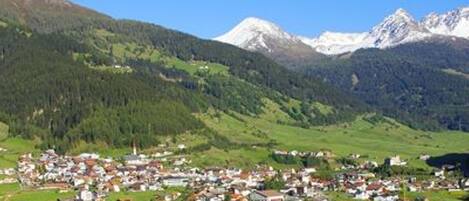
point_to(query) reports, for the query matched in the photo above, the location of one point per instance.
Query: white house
(395, 161)
(424, 157)
(85, 195)
(175, 181)
(439, 173)
(181, 146)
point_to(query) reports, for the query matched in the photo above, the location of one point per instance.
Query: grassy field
(193, 67)
(15, 147)
(3, 131)
(123, 51)
(40, 196)
(376, 141)
(12, 192)
(133, 196)
(430, 195)
(6, 189)
(436, 195)
(338, 196)
(148, 195)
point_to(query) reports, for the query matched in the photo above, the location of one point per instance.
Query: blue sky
(210, 18)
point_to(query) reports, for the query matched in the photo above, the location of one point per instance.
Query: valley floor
(259, 137)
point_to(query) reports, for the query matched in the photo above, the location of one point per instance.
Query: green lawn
(133, 196)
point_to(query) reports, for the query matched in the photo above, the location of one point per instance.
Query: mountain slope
(409, 82)
(47, 16)
(100, 101)
(410, 70)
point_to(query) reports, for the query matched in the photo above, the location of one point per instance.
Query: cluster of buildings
(294, 153)
(93, 178)
(362, 184)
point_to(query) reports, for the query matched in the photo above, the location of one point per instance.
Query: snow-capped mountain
(266, 37)
(453, 23)
(396, 29)
(334, 43)
(257, 34)
(399, 28)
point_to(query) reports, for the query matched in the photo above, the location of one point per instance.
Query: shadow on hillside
(451, 159)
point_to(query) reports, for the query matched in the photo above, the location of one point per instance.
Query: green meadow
(125, 51)
(13, 192)
(374, 141)
(148, 195)
(14, 147)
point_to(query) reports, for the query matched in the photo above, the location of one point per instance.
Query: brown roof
(90, 162)
(269, 193)
(56, 185)
(373, 186)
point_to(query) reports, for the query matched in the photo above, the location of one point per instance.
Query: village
(94, 178)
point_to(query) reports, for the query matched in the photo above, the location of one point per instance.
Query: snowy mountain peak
(397, 28)
(253, 33)
(401, 19)
(452, 23)
(403, 14)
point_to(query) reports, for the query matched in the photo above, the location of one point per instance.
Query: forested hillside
(422, 84)
(46, 93)
(73, 75)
